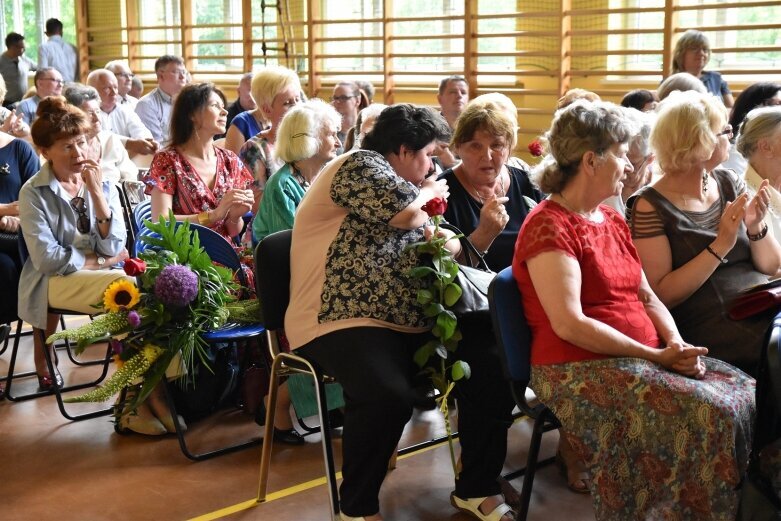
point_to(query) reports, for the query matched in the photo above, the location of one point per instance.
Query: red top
(610, 270)
(172, 174)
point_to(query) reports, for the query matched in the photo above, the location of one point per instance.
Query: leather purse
(474, 281)
(756, 300)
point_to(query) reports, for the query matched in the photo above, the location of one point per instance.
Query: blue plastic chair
(220, 251)
(142, 212)
(514, 337)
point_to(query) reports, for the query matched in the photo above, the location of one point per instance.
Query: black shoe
(5, 329)
(289, 436)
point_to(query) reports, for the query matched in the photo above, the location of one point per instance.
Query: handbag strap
(467, 245)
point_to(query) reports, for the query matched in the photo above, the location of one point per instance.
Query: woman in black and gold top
(352, 307)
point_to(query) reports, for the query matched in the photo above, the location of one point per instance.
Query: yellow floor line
(279, 494)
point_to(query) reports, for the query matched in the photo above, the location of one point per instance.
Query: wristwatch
(101, 260)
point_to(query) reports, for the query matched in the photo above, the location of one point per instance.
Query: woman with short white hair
(760, 142)
(306, 141)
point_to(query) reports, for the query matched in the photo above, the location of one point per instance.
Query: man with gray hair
(244, 102)
(154, 109)
(48, 82)
(124, 82)
(120, 119)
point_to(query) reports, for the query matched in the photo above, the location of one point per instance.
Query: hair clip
(300, 134)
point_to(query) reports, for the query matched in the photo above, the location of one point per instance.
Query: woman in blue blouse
(692, 53)
(72, 225)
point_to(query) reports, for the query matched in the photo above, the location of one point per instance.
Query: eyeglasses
(125, 75)
(341, 99)
(58, 82)
(726, 132)
(80, 207)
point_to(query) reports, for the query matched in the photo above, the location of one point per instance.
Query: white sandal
(345, 517)
(472, 506)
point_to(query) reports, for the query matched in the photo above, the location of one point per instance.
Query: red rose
(535, 148)
(436, 206)
(134, 267)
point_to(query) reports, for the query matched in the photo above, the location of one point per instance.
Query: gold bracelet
(203, 218)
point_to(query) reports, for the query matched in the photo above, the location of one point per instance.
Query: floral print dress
(173, 174)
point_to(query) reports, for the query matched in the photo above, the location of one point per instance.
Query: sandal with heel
(578, 480)
(472, 506)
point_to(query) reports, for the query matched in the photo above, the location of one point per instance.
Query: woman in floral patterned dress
(203, 184)
(664, 430)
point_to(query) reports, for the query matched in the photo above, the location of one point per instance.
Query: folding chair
(514, 337)
(272, 262)
(55, 389)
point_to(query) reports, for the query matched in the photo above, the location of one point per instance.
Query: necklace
(300, 178)
(705, 183)
(477, 192)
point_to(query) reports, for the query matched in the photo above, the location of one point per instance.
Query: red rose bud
(436, 206)
(134, 267)
(535, 148)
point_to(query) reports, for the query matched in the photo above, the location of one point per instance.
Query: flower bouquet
(158, 321)
(436, 301)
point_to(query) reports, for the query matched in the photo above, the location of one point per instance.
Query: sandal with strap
(472, 506)
(578, 480)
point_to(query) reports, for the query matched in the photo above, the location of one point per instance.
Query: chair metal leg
(17, 336)
(325, 430)
(179, 429)
(268, 429)
(531, 463)
(66, 345)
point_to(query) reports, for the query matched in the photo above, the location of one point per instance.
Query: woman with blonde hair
(700, 236)
(276, 90)
(692, 54)
(760, 143)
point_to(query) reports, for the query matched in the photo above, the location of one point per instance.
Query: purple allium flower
(176, 285)
(117, 347)
(133, 319)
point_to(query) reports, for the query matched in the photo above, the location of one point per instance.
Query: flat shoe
(45, 382)
(142, 421)
(289, 436)
(577, 481)
(345, 517)
(472, 506)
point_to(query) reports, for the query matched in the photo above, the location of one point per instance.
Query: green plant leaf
(421, 271)
(452, 294)
(433, 309)
(446, 321)
(425, 296)
(459, 370)
(441, 351)
(424, 352)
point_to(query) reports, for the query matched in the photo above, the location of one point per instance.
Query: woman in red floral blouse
(202, 183)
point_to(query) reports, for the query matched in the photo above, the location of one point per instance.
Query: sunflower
(121, 295)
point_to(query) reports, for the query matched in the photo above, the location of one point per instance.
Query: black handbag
(473, 281)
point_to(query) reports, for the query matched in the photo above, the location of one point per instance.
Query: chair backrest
(142, 212)
(272, 277)
(510, 326)
(217, 247)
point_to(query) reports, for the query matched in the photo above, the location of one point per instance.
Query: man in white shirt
(48, 82)
(58, 53)
(120, 119)
(154, 109)
(124, 82)
(15, 67)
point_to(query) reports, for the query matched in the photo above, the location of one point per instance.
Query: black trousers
(485, 406)
(374, 365)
